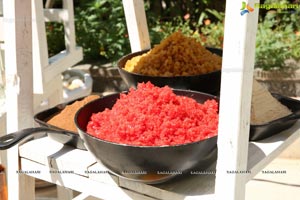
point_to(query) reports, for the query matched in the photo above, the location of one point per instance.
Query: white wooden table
(235, 153)
(77, 169)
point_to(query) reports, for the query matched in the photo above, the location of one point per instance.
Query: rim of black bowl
(136, 146)
(146, 50)
(276, 121)
(281, 119)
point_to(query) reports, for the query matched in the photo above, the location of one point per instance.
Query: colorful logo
(246, 8)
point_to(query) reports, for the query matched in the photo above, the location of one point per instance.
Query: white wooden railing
(234, 151)
(31, 76)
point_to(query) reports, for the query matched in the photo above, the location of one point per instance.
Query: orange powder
(65, 119)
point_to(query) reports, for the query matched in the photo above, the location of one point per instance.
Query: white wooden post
(69, 26)
(40, 51)
(19, 88)
(235, 100)
(136, 25)
(47, 71)
(44, 69)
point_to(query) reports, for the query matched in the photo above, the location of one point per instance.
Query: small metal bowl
(207, 83)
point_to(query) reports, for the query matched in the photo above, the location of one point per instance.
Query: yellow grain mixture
(177, 55)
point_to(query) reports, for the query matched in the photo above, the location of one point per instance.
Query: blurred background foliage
(101, 26)
(278, 37)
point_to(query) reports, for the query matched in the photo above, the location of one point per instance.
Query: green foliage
(55, 37)
(208, 33)
(278, 40)
(101, 26)
(101, 29)
(212, 34)
(162, 30)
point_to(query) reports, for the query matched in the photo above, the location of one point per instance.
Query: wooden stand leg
(27, 183)
(64, 193)
(19, 88)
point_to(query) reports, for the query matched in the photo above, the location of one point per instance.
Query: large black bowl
(262, 131)
(208, 83)
(146, 164)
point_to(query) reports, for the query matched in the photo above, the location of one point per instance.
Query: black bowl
(207, 83)
(146, 164)
(263, 131)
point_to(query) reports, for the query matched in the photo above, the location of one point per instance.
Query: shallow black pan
(60, 135)
(147, 164)
(260, 132)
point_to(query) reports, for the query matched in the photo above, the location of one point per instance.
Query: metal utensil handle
(12, 139)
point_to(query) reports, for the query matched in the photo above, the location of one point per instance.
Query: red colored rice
(153, 116)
